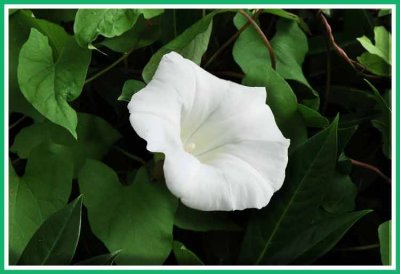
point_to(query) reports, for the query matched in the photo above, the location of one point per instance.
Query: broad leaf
(95, 137)
(382, 46)
(293, 208)
(55, 241)
(105, 259)
(41, 191)
(322, 236)
(340, 194)
(291, 16)
(47, 84)
(118, 214)
(90, 23)
(385, 240)
(130, 87)
(184, 256)
(289, 45)
(191, 44)
(202, 221)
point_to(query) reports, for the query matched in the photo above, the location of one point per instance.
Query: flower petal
(223, 149)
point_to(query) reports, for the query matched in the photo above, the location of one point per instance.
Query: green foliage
(89, 23)
(142, 208)
(184, 256)
(41, 191)
(385, 240)
(55, 241)
(71, 139)
(49, 85)
(130, 87)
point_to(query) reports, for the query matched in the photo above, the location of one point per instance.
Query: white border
(196, 6)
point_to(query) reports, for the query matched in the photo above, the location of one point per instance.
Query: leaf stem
(358, 248)
(372, 168)
(263, 37)
(17, 122)
(230, 40)
(105, 70)
(129, 155)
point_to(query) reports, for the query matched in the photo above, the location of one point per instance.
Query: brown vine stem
(119, 60)
(230, 40)
(263, 37)
(17, 122)
(372, 168)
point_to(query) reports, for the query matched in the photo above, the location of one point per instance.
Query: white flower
(223, 149)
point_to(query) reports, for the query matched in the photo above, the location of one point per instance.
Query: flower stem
(358, 248)
(129, 155)
(105, 70)
(230, 40)
(372, 168)
(263, 37)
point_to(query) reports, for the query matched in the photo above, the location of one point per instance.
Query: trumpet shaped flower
(223, 149)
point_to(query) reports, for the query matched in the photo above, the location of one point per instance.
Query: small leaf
(382, 46)
(375, 64)
(89, 23)
(385, 240)
(130, 87)
(184, 256)
(143, 34)
(41, 191)
(293, 209)
(49, 85)
(105, 259)
(202, 221)
(55, 241)
(383, 121)
(312, 118)
(191, 44)
(136, 218)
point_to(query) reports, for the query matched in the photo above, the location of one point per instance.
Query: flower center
(190, 147)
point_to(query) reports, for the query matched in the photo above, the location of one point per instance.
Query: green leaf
(119, 213)
(130, 87)
(184, 256)
(289, 45)
(384, 120)
(49, 85)
(20, 24)
(143, 34)
(291, 16)
(202, 221)
(340, 194)
(191, 44)
(322, 236)
(105, 259)
(312, 118)
(375, 64)
(95, 137)
(150, 13)
(293, 208)
(382, 46)
(55, 242)
(90, 23)
(384, 12)
(41, 191)
(385, 240)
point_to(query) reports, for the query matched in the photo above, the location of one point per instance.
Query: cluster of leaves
(84, 190)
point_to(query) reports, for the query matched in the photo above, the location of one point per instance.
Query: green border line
(208, 2)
